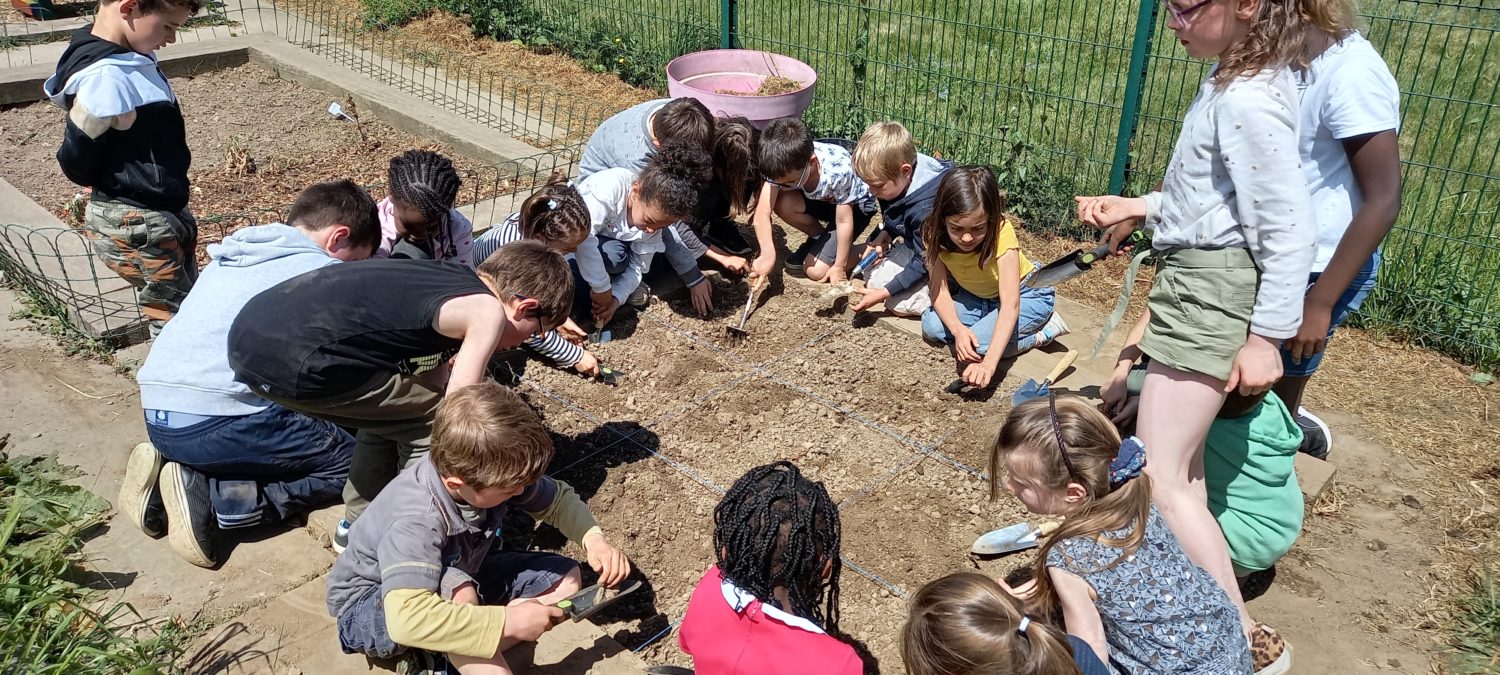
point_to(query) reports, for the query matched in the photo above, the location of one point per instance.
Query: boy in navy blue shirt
(904, 182)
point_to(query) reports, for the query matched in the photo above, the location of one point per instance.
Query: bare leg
(791, 207)
(1176, 410)
(469, 665)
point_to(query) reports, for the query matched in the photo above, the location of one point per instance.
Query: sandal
(1270, 654)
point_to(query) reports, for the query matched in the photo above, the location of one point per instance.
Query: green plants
(1476, 632)
(389, 13)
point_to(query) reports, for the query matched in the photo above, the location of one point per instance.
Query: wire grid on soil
(709, 410)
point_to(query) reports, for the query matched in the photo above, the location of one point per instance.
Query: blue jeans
(980, 315)
(262, 468)
(1349, 302)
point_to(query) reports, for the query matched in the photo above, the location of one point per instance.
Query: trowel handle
(1062, 365)
(865, 262)
(1102, 251)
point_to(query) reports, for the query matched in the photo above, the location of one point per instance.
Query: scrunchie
(1128, 463)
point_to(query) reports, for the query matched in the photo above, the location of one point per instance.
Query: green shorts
(1200, 309)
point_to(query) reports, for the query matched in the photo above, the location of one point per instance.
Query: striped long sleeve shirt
(550, 345)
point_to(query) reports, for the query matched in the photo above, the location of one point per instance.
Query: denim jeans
(1348, 302)
(980, 315)
(262, 468)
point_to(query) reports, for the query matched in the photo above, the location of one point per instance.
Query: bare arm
(1010, 305)
(478, 320)
(1079, 613)
(843, 226)
(761, 221)
(942, 296)
(1376, 161)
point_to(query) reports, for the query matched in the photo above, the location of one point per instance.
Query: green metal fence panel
(1440, 278)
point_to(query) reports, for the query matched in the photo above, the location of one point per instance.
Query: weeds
(1476, 635)
(50, 322)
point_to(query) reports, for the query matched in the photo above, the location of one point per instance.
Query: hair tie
(552, 204)
(1025, 623)
(1128, 463)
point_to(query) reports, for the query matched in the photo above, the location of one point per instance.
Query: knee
(932, 327)
(571, 583)
(815, 269)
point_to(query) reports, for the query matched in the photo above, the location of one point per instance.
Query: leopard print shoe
(1270, 654)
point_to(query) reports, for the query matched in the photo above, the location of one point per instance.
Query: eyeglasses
(1181, 15)
(800, 177)
(1062, 448)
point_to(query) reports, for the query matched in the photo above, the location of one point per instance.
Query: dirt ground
(257, 141)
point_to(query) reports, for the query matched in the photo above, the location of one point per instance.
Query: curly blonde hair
(1277, 38)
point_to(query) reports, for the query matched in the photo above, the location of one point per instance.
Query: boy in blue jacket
(904, 183)
(221, 457)
(126, 139)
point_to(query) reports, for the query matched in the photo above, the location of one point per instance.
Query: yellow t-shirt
(985, 282)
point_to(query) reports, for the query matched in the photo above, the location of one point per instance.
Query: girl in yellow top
(970, 241)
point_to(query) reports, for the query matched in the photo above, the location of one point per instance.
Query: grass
(1476, 635)
(49, 623)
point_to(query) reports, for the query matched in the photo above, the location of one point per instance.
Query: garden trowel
(1018, 537)
(1076, 263)
(583, 604)
(1033, 389)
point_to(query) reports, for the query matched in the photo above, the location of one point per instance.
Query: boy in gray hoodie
(221, 457)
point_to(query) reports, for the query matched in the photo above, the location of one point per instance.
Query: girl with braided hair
(765, 607)
(417, 219)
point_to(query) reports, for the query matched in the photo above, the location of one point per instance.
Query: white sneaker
(1317, 438)
(1055, 328)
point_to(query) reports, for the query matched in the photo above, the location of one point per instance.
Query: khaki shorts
(1200, 309)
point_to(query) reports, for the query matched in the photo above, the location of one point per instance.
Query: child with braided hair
(1114, 568)
(417, 219)
(769, 603)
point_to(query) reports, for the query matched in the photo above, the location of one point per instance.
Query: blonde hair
(1277, 37)
(486, 436)
(1091, 443)
(1334, 17)
(966, 624)
(881, 151)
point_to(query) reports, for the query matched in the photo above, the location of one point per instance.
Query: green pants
(1200, 309)
(156, 251)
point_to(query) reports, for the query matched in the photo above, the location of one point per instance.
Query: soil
(257, 141)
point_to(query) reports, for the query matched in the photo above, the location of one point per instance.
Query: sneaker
(640, 297)
(725, 234)
(794, 262)
(1055, 328)
(1317, 438)
(190, 515)
(341, 536)
(140, 498)
(423, 662)
(1269, 653)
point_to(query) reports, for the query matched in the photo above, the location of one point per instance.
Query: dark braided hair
(775, 528)
(674, 177)
(556, 216)
(425, 181)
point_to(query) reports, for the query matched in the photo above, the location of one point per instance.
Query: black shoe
(423, 662)
(190, 515)
(725, 234)
(1317, 439)
(794, 262)
(140, 498)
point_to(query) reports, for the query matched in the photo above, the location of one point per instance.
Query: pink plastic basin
(702, 74)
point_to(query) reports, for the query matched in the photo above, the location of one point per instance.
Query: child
(765, 607)
(1248, 464)
(1347, 135)
(904, 183)
(324, 345)
(966, 624)
(812, 187)
(126, 139)
(417, 219)
(1114, 568)
(232, 458)
(977, 269)
(556, 216)
(422, 571)
(628, 211)
(1235, 238)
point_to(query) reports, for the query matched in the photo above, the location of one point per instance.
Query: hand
(601, 300)
(735, 264)
(608, 561)
(571, 332)
(762, 266)
(525, 621)
(703, 298)
(601, 318)
(978, 375)
(1313, 335)
(1257, 366)
(1126, 412)
(1108, 210)
(966, 346)
(588, 365)
(1115, 391)
(836, 274)
(869, 297)
(881, 245)
(1114, 235)
(1023, 591)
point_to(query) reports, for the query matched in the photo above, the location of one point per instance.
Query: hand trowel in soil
(585, 603)
(1033, 389)
(607, 375)
(1076, 263)
(1011, 538)
(738, 334)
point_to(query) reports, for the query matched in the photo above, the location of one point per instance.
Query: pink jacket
(727, 631)
(454, 241)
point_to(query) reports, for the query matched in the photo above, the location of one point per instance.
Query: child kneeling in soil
(628, 212)
(813, 188)
(418, 220)
(966, 624)
(233, 459)
(1114, 568)
(422, 571)
(765, 607)
(557, 217)
(978, 273)
(904, 183)
(325, 345)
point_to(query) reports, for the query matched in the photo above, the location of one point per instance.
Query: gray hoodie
(188, 369)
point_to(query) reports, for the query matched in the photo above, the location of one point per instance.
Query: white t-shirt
(605, 193)
(1347, 91)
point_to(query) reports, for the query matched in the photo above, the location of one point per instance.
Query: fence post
(1145, 25)
(729, 24)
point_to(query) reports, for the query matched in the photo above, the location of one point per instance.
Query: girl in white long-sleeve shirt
(1234, 231)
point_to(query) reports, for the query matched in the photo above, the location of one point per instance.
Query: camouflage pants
(156, 251)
